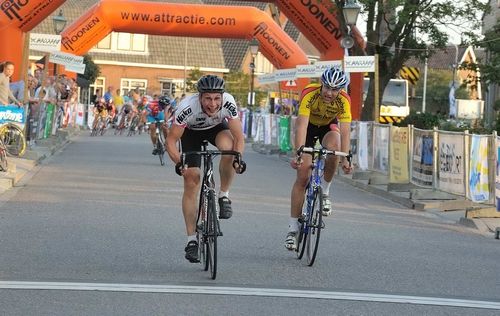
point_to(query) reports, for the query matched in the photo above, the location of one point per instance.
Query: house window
(167, 88)
(105, 43)
(131, 84)
(97, 86)
(123, 42)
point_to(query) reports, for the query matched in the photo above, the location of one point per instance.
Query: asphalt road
(97, 229)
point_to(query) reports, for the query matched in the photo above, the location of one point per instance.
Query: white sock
(191, 238)
(222, 194)
(326, 187)
(293, 224)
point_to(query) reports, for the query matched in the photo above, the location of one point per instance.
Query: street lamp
(59, 22)
(254, 49)
(350, 11)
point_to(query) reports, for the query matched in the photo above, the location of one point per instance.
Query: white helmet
(335, 78)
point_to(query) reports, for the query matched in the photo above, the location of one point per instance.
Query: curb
(19, 167)
(375, 183)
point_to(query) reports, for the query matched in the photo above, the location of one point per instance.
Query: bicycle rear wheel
(3, 158)
(212, 234)
(160, 148)
(314, 224)
(13, 139)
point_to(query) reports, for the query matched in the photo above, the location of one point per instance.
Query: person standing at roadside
(6, 71)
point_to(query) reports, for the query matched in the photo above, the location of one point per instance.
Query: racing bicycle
(311, 221)
(207, 219)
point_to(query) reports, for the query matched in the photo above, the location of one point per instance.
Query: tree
(490, 68)
(397, 30)
(192, 79)
(238, 83)
(92, 71)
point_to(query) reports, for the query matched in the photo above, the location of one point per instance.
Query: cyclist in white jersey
(209, 115)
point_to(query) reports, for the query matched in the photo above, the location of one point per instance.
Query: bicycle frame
(317, 166)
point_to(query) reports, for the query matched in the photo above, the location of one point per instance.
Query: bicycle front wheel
(314, 223)
(13, 139)
(160, 148)
(212, 234)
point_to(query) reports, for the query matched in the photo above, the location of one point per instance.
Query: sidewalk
(44, 148)
(448, 207)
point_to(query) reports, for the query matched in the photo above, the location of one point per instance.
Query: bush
(420, 120)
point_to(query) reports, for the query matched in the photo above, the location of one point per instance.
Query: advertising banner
(267, 128)
(12, 113)
(398, 172)
(284, 134)
(49, 115)
(451, 163)
(363, 146)
(497, 175)
(359, 63)
(423, 156)
(381, 148)
(478, 173)
(45, 42)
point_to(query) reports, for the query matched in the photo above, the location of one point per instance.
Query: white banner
(381, 148)
(478, 173)
(45, 42)
(68, 60)
(359, 63)
(79, 69)
(451, 164)
(266, 78)
(363, 146)
(321, 66)
(267, 129)
(285, 74)
(306, 71)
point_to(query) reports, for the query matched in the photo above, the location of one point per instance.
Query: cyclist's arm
(301, 131)
(174, 135)
(345, 136)
(237, 131)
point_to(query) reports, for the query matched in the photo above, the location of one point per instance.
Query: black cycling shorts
(315, 131)
(191, 140)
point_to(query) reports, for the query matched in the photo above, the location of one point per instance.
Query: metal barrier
(453, 162)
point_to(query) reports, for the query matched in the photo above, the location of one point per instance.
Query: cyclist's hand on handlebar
(239, 165)
(346, 166)
(296, 163)
(179, 168)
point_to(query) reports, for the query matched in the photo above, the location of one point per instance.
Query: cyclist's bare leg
(331, 141)
(299, 187)
(152, 132)
(190, 198)
(224, 141)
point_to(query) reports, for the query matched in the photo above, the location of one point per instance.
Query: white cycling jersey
(190, 115)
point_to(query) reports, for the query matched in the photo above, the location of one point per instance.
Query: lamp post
(351, 11)
(59, 22)
(254, 49)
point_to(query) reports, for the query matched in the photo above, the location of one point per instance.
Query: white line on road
(243, 291)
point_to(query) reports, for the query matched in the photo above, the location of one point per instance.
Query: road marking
(244, 291)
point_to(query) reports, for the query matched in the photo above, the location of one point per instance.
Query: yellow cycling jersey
(321, 113)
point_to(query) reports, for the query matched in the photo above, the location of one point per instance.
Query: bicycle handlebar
(323, 151)
(238, 164)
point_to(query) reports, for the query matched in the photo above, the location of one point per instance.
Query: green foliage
(401, 20)
(420, 120)
(238, 83)
(489, 69)
(92, 70)
(192, 79)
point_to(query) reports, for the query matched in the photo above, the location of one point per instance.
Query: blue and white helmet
(335, 78)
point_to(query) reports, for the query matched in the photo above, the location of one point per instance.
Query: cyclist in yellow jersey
(324, 112)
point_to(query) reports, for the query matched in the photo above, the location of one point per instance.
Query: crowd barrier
(40, 120)
(458, 163)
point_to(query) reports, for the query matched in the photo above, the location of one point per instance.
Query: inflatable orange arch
(178, 19)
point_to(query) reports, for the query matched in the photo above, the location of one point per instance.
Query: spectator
(46, 92)
(118, 100)
(38, 73)
(33, 84)
(108, 96)
(7, 69)
(96, 96)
